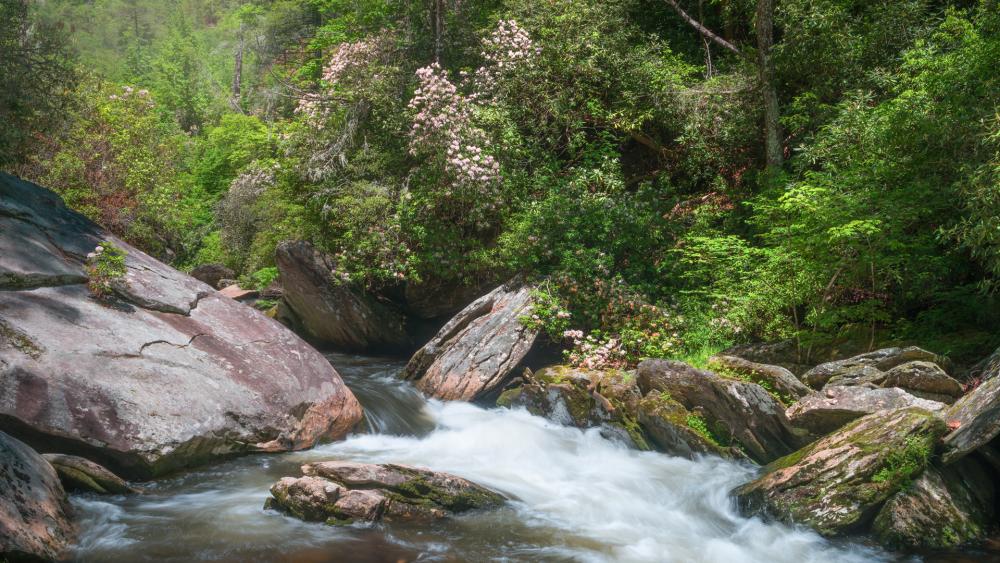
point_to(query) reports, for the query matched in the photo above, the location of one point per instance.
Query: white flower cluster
(508, 49)
(443, 123)
(98, 250)
(129, 92)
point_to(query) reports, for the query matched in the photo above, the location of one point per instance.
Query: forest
(670, 280)
(822, 170)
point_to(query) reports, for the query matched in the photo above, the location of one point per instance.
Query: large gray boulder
(475, 353)
(165, 375)
(35, 522)
(975, 419)
(924, 379)
(944, 507)
(342, 492)
(212, 273)
(736, 412)
(884, 359)
(826, 411)
(837, 485)
(331, 309)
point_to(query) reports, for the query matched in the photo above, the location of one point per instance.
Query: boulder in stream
(80, 474)
(836, 485)
(585, 398)
(975, 419)
(332, 310)
(475, 353)
(35, 518)
(780, 380)
(164, 375)
(825, 411)
(736, 412)
(343, 492)
(944, 507)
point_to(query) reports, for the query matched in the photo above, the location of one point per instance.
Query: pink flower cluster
(130, 93)
(348, 56)
(443, 125)
(508, 49)
(589, 353)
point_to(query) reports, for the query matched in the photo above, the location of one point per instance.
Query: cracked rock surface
(167, 375)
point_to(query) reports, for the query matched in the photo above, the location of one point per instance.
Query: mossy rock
(836, 485)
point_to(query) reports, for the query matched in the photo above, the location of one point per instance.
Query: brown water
(577, 497)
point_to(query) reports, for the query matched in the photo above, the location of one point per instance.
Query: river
(577, 497)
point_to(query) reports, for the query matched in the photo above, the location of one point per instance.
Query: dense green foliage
(604, 146)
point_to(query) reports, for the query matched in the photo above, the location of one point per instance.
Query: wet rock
(332, 310)
(784, 353)
(675, 430)
(826, 411)
(736, 412)
(775, 378)
(342, 492)
(35, 522)
(474, 355)
(884, 359)
(944, 507)
(975, 419)
(212, 273)
(836, 485)
(80, 474)
(169, 374)
(605, 399)
(924, 379)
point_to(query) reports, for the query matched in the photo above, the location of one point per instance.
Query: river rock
(857, 376)
(884, 359)
(924, 379)
(475, 353)
(584, 398)
(674, 430)
(975, 419)
(342, 492)
(837, 484)
(823, 412)
(35, 518)
(166, 375)
(80, 474)
(780, 380)
(734, 411)
(332, 310)
(944, 507)
(212, 273)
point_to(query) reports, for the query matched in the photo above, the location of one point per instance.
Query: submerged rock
(35, 521)
(475, 353)
(944, 507)
(826, 411)
(79, 474)
(882, 360)
(837, 484)
(342, 492)
(332, 310)
(735, 412)
(606, 399)
(167, 375)
(777, 379)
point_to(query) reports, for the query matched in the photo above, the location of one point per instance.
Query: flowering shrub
(548, 314)
(347, 58)
(508, 50)
(444, 133)
(238, 215)
(105, 268)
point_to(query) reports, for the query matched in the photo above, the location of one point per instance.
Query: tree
(38, 75)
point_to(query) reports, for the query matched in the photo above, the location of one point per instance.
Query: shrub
(105, 269)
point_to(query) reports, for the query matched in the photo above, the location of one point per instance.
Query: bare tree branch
(702, 29)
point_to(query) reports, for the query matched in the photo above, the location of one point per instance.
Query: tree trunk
(765, 71)
(238, 74)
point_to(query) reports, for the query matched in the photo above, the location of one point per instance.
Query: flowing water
(577, 497)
